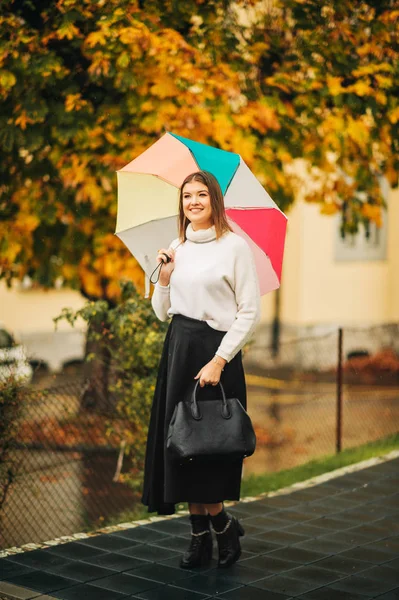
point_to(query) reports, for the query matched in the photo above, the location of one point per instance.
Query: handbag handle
(195, 410)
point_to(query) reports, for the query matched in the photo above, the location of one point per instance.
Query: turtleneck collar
(201, 235)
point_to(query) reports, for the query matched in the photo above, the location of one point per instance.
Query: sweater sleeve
(247, 296)
(161, 301)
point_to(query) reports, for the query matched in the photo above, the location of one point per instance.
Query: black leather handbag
(210, 428)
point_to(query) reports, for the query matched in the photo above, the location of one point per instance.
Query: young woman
(210, 289)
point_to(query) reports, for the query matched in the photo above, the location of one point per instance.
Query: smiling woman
(210, 289)
(202, 205)
(197, 205)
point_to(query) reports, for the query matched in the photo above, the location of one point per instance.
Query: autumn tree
(319, 82)
(85, 86)
(339, 73)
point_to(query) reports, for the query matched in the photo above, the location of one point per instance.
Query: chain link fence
(324, 393)
(70, 457)
(370, 373)
(292, 403)
(68, 465)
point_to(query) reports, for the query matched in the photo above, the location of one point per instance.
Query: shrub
(131, 337)
(11, 401)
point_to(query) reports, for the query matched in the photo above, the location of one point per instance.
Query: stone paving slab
(336, 537)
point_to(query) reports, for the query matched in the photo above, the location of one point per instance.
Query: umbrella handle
(160, 265)
(158, 268)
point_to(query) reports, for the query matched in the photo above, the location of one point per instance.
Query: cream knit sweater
(213, 281)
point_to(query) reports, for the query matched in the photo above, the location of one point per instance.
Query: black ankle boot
(199, 552)
(229, 541)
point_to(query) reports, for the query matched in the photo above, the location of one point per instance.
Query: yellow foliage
(257, 116)
(284, 156)
(164, 88)
(96, 38)
(358, 131)
(133, 35)
(244, 119)
(391, 174)
(384, 81)
(67, 31)
(74, 102)
(393, 115)
(72, 170)
(123, 60)
(369, 48)
(334, 123)
(9, 255)
(69, 272)
(373, 213)
(100, 64)
(392, 16)
(110, 137)
(90, 191)
(223, 128)
(90, 282)
(108, 265)
(380, 97)
(360, 88)
(266, 119)
(315, 85)
(371, 69)
(113, 290)
(274, 82)
(334, 85)
(7, 81)
(245, 145)
(27, 222)
(329, 208)
(147, 106)
(23, 120)
(87, 226)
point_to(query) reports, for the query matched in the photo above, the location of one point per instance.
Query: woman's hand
(167, 268)
(211, 372)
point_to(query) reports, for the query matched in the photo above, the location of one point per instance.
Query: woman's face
(197, 205)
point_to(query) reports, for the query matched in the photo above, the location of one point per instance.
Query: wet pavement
(335, 540)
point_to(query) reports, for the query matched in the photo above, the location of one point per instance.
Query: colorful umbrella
(148, 192)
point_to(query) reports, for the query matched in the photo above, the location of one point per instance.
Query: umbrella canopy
(148, 195)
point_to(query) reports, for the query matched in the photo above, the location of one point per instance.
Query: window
(360, 247)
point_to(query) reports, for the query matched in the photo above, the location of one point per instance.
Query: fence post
(339, 392)
(276, 324)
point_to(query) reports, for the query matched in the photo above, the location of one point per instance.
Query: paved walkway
(336, 540)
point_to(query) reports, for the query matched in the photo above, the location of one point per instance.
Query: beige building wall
(318, 289)
(292, 274)
(393, 253)
(30, 311)
(28, 315)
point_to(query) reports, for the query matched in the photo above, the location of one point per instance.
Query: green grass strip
(253, 485)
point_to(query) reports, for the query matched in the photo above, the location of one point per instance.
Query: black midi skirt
(189, 345)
